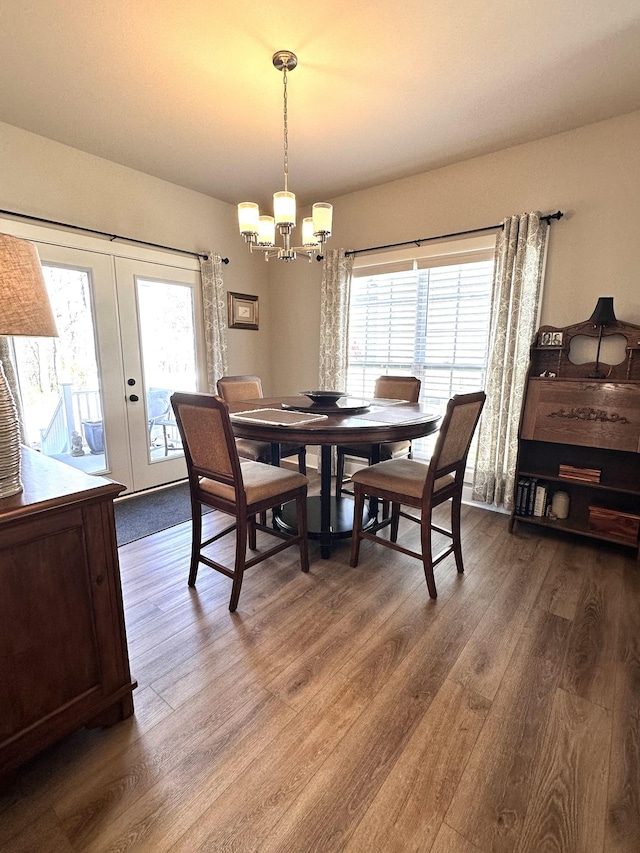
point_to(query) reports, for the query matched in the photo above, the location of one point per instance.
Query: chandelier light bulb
(284, 209)
(248, 214)
(322, 219)
(308, 237)
(266, 231)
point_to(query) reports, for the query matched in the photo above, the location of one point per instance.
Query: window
(428, 318)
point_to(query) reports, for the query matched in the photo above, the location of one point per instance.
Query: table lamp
(24, 310)
(601, 317)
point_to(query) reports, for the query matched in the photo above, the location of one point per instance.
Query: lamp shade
(24, 303)
(284, 209)
(248, 213)
(603, 312)
(308, 237)
(322, 219)
(266, 231)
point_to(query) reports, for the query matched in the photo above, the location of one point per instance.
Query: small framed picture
(242, 311)
(550, 339)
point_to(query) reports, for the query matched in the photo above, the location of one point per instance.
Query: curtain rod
(547, 218)
(111, 237)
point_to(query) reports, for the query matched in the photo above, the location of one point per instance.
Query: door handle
(134, 398)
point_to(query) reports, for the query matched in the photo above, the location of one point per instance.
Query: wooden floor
(344, 710)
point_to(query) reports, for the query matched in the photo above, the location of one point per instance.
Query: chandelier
(259, 231)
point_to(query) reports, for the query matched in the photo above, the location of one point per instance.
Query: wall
(592, 174)
(49, 180)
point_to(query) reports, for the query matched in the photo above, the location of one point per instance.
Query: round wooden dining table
(348, 421)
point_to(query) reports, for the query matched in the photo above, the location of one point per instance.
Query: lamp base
(10, 486)
(10, 482)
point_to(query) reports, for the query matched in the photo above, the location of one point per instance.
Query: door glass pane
(167, 342)
(59, 379)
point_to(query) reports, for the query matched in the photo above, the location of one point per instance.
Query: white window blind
(430, 320)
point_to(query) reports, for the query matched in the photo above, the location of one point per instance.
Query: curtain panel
(337, 269)
(215, 318)
(515, 300)
(334, 319)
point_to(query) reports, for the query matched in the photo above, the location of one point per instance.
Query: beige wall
(592, 174)
(52, 181)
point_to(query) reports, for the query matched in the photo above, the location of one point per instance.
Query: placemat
(276, 417)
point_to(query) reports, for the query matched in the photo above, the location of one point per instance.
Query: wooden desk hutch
(581, 435)
(63, 650)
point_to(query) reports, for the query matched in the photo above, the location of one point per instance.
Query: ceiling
(185, 89)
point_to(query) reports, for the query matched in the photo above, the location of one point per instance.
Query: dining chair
(423, 486)
(389, 388)
(243, 490)
(235, 389)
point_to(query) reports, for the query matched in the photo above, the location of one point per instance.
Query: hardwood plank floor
(345, 710)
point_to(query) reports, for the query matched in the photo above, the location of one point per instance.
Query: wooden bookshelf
(573, 423)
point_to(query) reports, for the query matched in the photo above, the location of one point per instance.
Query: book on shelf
(532, 497)
(584, 475)
(541, 500)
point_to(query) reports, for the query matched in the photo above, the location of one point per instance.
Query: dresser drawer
(592, 414)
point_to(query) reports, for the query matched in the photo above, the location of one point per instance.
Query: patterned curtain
(7, 364)
(215, 318)
(334, 325)
(334, 319)
(517, 285)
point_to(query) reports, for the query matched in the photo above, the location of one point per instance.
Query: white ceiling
(185, 89)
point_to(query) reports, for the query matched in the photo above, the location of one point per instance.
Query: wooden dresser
(581, 435)
(63, 650)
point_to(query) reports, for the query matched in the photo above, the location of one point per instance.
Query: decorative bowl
(326, 397)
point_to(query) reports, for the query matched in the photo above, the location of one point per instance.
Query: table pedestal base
(340, 525)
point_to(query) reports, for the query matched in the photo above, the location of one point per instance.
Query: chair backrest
(207, 438)
(454, 438)
(398, 388)
(234, 389)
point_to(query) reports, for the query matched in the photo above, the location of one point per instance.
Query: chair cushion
(388, 450)
(260, 451)
(261, 482)
(405, 476)
(257, 451)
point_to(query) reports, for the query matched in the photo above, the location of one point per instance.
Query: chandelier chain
(286, 132)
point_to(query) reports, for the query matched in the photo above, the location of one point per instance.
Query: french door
(158, 310)
(130, 333)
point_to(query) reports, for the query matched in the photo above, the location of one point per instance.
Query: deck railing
(73, 409)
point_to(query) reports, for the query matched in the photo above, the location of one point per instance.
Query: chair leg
(302, 460)
(427, 554)
(252, 533)
(358, 509)
(241, 555)
(395, 521)
(196, 539)
(339, 471)
(456, 503)
(301, 518)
